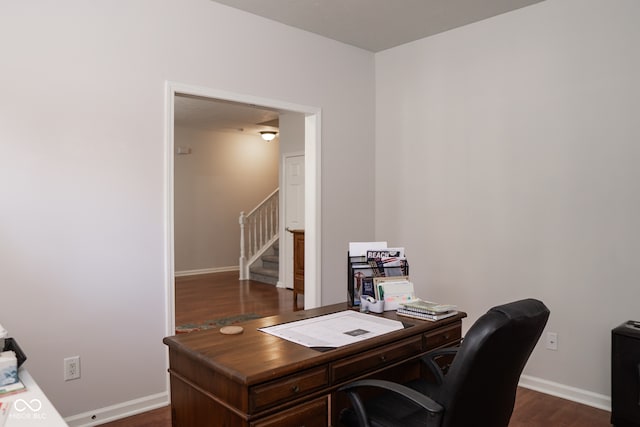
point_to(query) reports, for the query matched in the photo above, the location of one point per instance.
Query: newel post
(243, 258)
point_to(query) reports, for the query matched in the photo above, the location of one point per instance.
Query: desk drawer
(375, 359)
(286, 388)
(311, 414)
(449, 335)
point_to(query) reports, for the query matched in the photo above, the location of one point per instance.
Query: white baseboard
(283, 285)
(119, 411)
(574, 394)
(185, 273)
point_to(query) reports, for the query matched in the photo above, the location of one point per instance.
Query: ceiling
(222, 116)
(373, 25)
(377, 25)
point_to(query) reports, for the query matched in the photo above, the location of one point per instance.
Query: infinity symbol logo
(22, 405)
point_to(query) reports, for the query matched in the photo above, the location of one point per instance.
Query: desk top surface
(255, 356)
(31, 408)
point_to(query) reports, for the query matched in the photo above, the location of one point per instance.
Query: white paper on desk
(334, 330)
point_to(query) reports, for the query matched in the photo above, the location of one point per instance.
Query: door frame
(312, 143)
(283, 206)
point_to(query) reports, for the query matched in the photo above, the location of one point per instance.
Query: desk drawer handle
(383, 358)
(446, 336)
(295, 388)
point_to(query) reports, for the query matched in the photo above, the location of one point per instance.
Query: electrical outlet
(72, 368)
(552, 340)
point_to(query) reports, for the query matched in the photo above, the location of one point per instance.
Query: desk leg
(295, 302)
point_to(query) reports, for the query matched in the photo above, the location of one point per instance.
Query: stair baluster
(258, 232)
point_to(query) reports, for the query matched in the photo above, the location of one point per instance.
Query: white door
(293, 209)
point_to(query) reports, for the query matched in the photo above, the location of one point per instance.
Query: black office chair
(479, 388)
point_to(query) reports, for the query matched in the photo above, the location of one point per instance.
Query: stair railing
(258, 231)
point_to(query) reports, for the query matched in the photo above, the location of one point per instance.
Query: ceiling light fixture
(268, 135)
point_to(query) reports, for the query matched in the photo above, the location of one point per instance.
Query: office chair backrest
(480, 387)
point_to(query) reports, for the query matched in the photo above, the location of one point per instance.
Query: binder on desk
(359, 274)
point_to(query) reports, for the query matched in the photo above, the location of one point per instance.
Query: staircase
(266, 268)
(259, 241)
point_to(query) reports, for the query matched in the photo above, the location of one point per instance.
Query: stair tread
(271, 258)
(266, 268)
(264, 271)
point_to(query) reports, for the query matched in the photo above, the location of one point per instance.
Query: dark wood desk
(258, 380)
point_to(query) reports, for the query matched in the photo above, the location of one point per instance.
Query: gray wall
(82, 131)
(226, 173)
(507, 164)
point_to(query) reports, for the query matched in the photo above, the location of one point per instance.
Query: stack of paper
(427, 310)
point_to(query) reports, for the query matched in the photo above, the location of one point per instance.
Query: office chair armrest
(434, 408)
(429, 361)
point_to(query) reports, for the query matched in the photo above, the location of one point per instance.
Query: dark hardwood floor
(202, 298)
(533, 409)
(212, 296)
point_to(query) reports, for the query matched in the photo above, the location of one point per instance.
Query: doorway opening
(312, 296)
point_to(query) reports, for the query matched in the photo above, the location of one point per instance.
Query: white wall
(291, 132)
(82, 169)
(226, 173)
(507, 164)
(292, 142)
